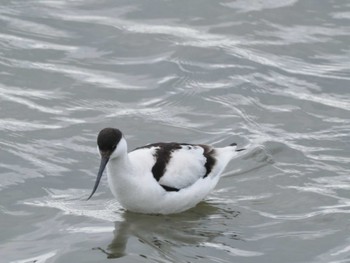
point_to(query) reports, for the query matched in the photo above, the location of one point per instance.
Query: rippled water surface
(271, 75)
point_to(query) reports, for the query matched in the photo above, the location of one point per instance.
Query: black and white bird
(160, 178)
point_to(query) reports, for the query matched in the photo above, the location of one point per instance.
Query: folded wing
(176, 166)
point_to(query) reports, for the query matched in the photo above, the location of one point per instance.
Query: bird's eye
(114, 146)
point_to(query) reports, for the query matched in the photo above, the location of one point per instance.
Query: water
(272, 76)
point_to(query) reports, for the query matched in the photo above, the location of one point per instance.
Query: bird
(160, 178)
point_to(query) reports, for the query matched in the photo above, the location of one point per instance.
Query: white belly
(149, 197)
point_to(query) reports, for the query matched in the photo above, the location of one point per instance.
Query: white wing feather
(185, 167)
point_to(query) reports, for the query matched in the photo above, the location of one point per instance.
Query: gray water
(271, 75)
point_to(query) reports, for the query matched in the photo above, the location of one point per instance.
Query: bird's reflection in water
(163, 233)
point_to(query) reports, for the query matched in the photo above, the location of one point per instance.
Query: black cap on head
(108, 139)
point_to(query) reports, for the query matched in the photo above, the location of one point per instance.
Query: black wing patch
(169, 188)
(163, 155)
(208, 154)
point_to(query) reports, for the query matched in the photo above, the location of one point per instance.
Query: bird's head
(111, 144)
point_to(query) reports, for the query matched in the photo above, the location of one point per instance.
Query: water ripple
(72, 201)
(31, 28)
(16, 42)
(15, 95)
(14, 125)
(107, 80)
(242, 6)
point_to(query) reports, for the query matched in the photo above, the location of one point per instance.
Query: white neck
(119, 164)
(120, 172)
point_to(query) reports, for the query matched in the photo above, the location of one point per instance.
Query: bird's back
(179, 165)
